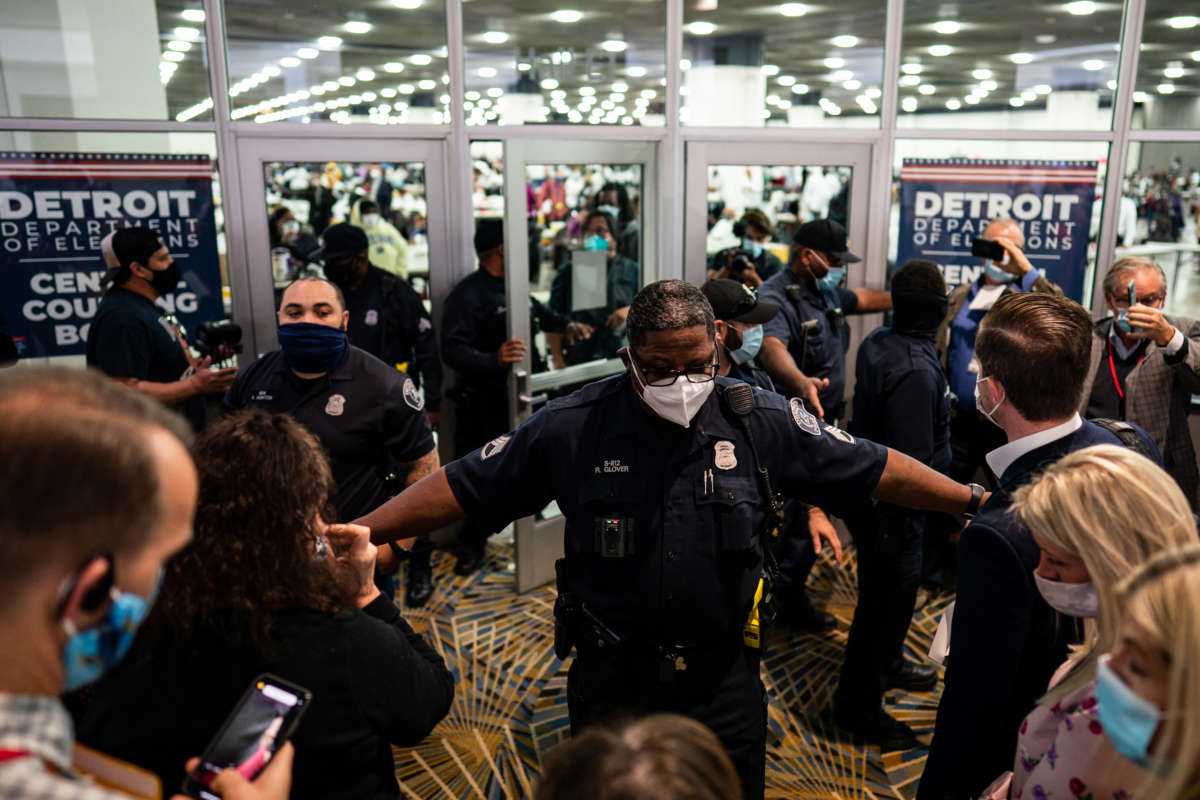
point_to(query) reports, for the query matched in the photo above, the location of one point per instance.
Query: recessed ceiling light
(841, 75)
(1112, 86)
(566, 15)
(911, 68)
(1165, 88)
(1081, 8)
(1029, 96)
(1043, 88)
(1196, 55)
(1016, 102)
(405, 88)
(173, 55)
(187, 34)
(910, 80)
(833, 62)
(1021, 58)
(620, 86)
(1045, 38)
(785, 80)
(347, 81)
(393, 67)
(587, 91)
(909, 104)
(971, 100)
(427, 85)
(946, 27)
(989, 86)
(701, 28)
(770, 70)
(926, 88)
(192, 14)
(1173, 72)
(1183, 22)
(421, 60)
(407, 5)
(649, 94)
(181, 47)
(845, 40)
(613, 46)
(873, 92)
(523, 66)
(953, 105)
(549, 83)
(289, 62)
(1093, 65)
(365, 74)
(330, 86)
(981, 74)
(635, 72)
(940, 50)
(308, 52)
(387, 92)
(495, 37)
(486, 72)
(685, 64)
(852, 85)
(800, 88)
(329, 42)
(357, 26)
(793, 9)
(272, 71)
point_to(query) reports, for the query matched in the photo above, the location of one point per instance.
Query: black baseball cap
(341, 240)
(826, 236)
(489, 234)
(732, 301)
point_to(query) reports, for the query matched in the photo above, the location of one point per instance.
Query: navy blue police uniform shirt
(752, 374)
(367, 415)
(131, 338)
(902, 397)
(475, 324)
(826, 345)
(690, 496)
(389, 321)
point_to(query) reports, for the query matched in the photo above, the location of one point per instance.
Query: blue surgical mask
(1129, 719)
(595, 242)
(311, 347)
(612, 211)
(832, 279)
(89, 654)
(751, 343)
(1123, 321)
(998, 274)
(752, 247)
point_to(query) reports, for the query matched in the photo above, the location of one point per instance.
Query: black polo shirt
(368, 416)
(131, 338)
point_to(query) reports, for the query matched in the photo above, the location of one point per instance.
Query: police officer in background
(476, 346)
(901, 400)
(655, 472)
(739, 321)
(368, 415)
(135, 342)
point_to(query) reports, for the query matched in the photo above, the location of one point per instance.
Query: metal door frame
(539, 543)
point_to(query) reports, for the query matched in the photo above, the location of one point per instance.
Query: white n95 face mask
(678, 402)
(371, 220)
(1072, 599)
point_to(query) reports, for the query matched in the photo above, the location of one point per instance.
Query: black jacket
(374, 683)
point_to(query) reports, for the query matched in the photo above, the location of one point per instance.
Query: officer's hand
(1017, 264)
(751, 278)
(617, 318)
(819, 527)
(210, 381)
(511, 352)
(273, 783)
(351, 545)
(576, 331)
(1149, 323)
(435, 418)
(810, 394)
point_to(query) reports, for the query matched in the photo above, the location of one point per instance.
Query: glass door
(581, 233)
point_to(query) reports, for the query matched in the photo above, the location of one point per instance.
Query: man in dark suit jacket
(1005, 641)
(1148, 373)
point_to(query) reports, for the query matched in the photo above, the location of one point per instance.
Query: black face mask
(918, 313)
(340, 271)
(164, 281)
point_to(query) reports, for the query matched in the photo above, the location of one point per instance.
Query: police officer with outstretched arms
(667, 477)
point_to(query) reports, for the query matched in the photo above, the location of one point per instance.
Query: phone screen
(989, 249)
(260, 723)
(1132, 293)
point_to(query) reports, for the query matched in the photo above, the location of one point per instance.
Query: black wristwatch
(977, 493)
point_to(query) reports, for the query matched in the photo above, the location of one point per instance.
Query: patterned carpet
(510, 706)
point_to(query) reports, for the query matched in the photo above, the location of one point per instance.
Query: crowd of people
(699, 485)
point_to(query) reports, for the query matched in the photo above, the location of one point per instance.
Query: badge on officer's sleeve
(804, 420)
(412, 398)
(493, 447)
(839, 434)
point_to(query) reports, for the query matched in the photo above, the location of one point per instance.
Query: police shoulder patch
(804, 420)
(412, 398)
(493, 447)
(839, 434)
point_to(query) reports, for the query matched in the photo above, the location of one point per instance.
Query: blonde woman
(1096, 515)
(1149, 686)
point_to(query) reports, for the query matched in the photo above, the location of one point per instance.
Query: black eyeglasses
(1151, 300)
(667, 377)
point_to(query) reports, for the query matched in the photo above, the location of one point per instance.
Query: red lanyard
(12, 755)
(1112, 369)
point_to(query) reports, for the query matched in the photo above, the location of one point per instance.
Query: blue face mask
(755, 249)
(1123, 321)
(89, 654)
(612, 211)
(998, 274)
(595, 242)
(832, 279)
(1129, 719)
(311, 347)
(751, 343)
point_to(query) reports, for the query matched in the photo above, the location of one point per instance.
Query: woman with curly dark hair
(267, 586)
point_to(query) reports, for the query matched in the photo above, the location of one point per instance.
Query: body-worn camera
(212, 336)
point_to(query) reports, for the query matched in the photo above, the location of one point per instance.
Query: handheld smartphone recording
(1132, 289)
(264, 718)
(989, 249)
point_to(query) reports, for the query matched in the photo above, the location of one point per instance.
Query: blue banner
(946, 203)
(55, 208)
